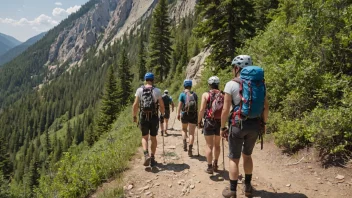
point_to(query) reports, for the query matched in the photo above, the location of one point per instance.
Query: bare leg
(217, 140)
(166, 124)
(154, 144)
(233, 169)
(184, 131)
(247, 164)
(209, 149)
(145, 142)
(192, 128)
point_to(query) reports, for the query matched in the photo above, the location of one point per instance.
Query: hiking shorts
(243, 140)
(211, 127)
(167, 114)
(149, 126)
(189, 118)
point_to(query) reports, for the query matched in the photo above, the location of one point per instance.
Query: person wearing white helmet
(167, 102)
(210, 109)
(244, 129)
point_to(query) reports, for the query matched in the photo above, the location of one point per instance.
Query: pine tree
(109, 105)
(160, 38)
(141, 58)
(228, 24)
(125, 79)
(69, 134)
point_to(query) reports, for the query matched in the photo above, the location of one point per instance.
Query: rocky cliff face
(108, 20)
(196, 66)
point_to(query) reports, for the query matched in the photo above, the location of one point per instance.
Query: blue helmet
(149, 76)
(187, 83)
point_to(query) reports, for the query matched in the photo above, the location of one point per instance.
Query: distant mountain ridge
(7, 42)
(17, 50)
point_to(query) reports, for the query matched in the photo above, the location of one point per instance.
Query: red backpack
(215, 104)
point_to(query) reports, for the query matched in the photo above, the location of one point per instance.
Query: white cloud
(60, 12)
(41, 20)
(58, 3)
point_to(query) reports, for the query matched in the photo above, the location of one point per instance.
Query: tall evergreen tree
(69, 136)
(141, 58)
(125, 79)
(109, 105)
(228, 24)
(160, 38)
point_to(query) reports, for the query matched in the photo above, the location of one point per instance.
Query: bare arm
(226, 109)
(173, 106)
(203, 105)
(161, 105)
(135, 107)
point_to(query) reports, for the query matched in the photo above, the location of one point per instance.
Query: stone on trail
(170, 185)
(288, 185)
(129, 187)
(157, 184)
(171, 147)
(192, 186)
(340, 177)
(143, 188)
(147, 193)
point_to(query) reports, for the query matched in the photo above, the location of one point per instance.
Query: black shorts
(243, 140)
(211, 127)
(167, 114)
(149, 126)
(189, 118)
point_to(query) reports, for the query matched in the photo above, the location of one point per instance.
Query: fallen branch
(299, 161)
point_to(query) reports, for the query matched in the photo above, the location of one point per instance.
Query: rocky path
(275, 175)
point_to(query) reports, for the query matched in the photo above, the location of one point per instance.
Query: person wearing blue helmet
(187, 112)
(247, 89)
(149, 102)
(167, 103)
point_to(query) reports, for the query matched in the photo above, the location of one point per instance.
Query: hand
(200, 125)
(135, 119)
(179, 117)
(224, 133)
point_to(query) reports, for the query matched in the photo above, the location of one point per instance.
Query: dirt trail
(181, 176)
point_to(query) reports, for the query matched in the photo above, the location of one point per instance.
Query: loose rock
(339, 177)
(192, 186)
(129, 187)
(288, 185)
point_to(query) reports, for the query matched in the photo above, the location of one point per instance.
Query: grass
(79, 174)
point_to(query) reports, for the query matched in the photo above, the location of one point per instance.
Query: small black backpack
(148, 104)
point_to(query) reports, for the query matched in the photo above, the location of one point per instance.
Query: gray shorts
(243, 140)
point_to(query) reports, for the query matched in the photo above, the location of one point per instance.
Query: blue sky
(23, 19)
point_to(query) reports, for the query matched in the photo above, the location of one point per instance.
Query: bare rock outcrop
(196, 66)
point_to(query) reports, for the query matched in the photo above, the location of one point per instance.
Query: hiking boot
(166, 134)
(215, 166)
(248, 189)
(153, 163)
(185, 145)
(190, 151)
(227, 193)
(209, 170)
(162, 133)
(146, 160)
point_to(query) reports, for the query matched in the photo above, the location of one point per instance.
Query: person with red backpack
(188, 107)
(246, 93)
(149, 102)
(211, 108)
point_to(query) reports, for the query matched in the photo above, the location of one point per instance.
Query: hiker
(167, 101)
(187, 113)
(210, 109)
(148, 100)
(247, 95)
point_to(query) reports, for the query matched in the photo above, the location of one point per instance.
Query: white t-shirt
(233, 88)
(156, 93)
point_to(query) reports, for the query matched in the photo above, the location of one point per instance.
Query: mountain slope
(17, 50)
(7, 42)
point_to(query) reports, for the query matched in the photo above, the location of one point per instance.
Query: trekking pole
(197, 142)
(223, 154)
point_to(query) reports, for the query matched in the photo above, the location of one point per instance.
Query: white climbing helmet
(213, 80)
(242, 61)
(166, 92)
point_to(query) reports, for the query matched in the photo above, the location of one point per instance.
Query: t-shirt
(233, 88)
(167, 104)
(156, 93)
(182, 98)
